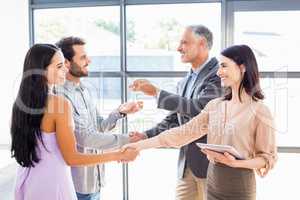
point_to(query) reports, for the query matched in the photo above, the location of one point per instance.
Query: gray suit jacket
(206, 87)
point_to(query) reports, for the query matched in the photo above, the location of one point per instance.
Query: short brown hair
(66, 45)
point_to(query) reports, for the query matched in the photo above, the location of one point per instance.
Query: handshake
(130, 151)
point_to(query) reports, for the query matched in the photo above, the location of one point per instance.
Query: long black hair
(243, 55)
(28, 108)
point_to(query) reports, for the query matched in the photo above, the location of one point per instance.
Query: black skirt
(227, 183)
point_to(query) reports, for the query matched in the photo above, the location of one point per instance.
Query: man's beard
(76, 71)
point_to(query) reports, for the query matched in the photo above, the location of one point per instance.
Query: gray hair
(200, 30)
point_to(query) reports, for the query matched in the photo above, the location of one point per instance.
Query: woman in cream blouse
(239, 119)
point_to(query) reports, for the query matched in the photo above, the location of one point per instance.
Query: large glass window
(275, 45)
(281, 182)
(273, 39)
(99, 26)
(153, 164)
(152, 36)
(150, 115)
(282, 98)
(154, 32)
(151, 46)
(106, 92)
(265, 28)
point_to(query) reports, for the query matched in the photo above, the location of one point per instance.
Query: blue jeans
(92, 196)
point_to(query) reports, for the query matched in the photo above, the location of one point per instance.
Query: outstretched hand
(135, 136)
(128, 155)
(142, 85)
(134, 146)
(131, 107)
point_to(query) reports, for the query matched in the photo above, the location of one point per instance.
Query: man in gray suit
(89, 125)
(195, 90)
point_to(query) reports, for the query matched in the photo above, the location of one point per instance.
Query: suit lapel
(202, 74)
(183, 85)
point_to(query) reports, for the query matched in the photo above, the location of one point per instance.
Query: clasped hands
(129, 152)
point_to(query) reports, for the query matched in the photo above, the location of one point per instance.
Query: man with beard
(89, 125)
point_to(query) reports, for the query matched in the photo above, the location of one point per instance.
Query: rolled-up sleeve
(88, 136)
(107, 124)
(265, 141)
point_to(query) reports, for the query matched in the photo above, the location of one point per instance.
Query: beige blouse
(248, 127)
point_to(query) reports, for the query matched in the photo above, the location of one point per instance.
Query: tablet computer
(221, 149)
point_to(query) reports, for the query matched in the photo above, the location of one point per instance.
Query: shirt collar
(70, 85)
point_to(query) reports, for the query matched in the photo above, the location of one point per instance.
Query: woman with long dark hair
(239, 119)
(43, 141)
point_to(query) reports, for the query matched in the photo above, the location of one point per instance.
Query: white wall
(14, 41)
